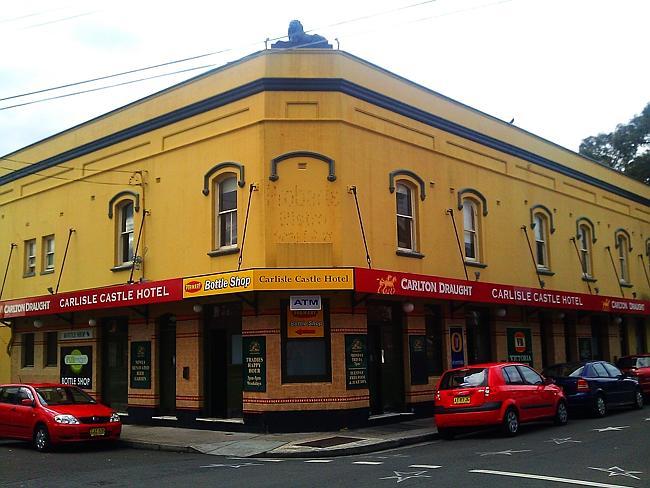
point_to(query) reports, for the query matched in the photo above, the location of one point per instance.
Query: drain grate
(330, 441)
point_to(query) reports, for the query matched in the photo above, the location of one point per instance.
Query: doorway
(479, 340)
(167, 364)
(223, 361)
(385, 359)
(115, 367)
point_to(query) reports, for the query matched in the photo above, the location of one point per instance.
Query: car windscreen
(464, 378)
(559, 370)
(629, 362)
(63, 395)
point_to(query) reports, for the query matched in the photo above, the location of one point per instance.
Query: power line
(69, 167)
(79, 180)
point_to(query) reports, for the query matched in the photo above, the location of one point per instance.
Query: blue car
(595, 386)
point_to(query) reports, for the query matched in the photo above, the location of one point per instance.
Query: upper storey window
(541, 241)
(30, 258)
(48, 254)
(585, 234)
(225, 212)
(405, 217)
(125, 233)
(622, 247)
(471, 229)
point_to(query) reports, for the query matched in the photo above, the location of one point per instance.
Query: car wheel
(638, 399)
(561, 414)
(600, 407)
(446, 433)
(41, 439)
(510, 422)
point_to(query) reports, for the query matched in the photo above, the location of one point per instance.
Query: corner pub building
(303, 240)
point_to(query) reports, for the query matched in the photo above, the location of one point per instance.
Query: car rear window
(632, 362)
(61, 395)
(568, 369)
(464, 378)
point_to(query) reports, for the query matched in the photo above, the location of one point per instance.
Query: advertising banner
(77, 366)
(96, 298)
(414, 285)
(141, 365)
(254, 363)
(269, 280)
(520, 346)
(305, 324)
(356, 362)
(456, 347)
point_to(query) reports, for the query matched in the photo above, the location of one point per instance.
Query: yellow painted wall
(302, 219)
(5, 360)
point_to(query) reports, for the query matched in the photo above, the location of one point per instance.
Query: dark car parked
(637, 365)
(596, 386)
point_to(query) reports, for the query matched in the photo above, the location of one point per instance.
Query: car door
(539, 399)
(7, 395)
(23, 417)
(515, 388)
(605, 383)
(624, 385)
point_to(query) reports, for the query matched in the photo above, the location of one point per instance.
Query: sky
(562, 69)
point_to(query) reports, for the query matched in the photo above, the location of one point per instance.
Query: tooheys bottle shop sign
(109, 297)
(414, 285)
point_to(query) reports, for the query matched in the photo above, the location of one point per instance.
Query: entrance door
(115, 367)
(167, 364)
(223, 361)
(479, 346)
(385, 360)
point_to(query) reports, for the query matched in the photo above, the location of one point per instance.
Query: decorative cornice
(474, 192)
(410, 174)
(218, 167)
(324, 85)
(549, 214)
(591, 224)
(618, 231)
(301, 154)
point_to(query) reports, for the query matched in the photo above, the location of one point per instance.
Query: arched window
(540, 222)
(584, 244)
(405, 217)
(622, 247)
(471, 229)
(125, 226)
(225, 212)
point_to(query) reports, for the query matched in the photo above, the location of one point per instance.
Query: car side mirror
(26, 402)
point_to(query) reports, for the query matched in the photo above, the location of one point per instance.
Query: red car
(494, 394)
(638, 366)
(48, 414)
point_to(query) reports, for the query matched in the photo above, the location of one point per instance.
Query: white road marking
(616, 471)
(563, 440)
(236, 466)
(607, 429)
(402, 476)
(548, 478)
(509, 452)
(264, 460)
(319, 461)
(425, 466)
(372, 463)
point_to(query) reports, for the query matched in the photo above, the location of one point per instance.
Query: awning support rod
(353, 190)
(618, 280)
(645, 270)
(251, 188)
(65, 255)
(583, 268)
(450, 212)
(532, 257)
(11, 251)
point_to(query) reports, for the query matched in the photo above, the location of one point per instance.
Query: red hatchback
(48, 414)
(504, 394)
(637, 365)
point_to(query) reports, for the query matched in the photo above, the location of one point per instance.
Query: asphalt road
(609, 452)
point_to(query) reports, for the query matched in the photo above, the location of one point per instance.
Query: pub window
(434, 345)
(406, 231)
(541, 241)
(225, 211)
(48, 254)
(584, 244)
(27, 350)
(51, 349)
(471, 230)
(30, 257)
(125, 226)
(305, 345)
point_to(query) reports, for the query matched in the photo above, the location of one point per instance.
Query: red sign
(414, 285)
(109, 297)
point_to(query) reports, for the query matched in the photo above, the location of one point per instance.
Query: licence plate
(97, 431)
(463, 400)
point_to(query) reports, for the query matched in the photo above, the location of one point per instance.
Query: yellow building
(302, 238)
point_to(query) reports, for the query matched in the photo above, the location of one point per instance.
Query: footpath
(312, 445)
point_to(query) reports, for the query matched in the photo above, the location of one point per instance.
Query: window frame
(47, 253)
(327, 339)
(27, 361)
(51, 350)
(219, 214)
(541, 233)
(585, 236)
(30, 258)
(622, 246)
(473, 232)
(122, 232)
(411, 219)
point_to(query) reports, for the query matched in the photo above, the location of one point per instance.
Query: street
(609, 452)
